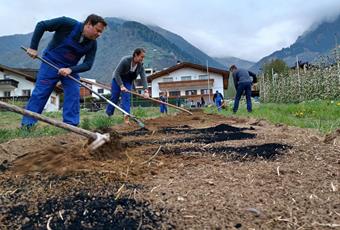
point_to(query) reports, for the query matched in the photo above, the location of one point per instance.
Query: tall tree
(276, 66)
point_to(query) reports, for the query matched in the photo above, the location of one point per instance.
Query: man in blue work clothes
(243, 80)
(218, 98)
(71, 41)
(163, 107)
(125, 73)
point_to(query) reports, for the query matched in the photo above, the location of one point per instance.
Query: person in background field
(163, 107)
(192, 104)
(243, 80)
(125, 73)
(178, 101)
(218, 98)
(71, 41)
(198, 104)
(202, 102)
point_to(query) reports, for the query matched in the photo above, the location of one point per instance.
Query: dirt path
(186, 172)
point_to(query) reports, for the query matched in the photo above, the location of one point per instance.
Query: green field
(321, 115)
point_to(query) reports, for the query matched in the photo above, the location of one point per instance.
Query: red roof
(28, 74)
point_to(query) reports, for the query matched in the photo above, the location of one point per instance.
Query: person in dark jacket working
(202, 102)
(71, 41)
(125, 73)
(243, 80)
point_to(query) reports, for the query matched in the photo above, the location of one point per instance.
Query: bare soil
(203, 171)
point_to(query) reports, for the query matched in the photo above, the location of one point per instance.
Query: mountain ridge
(121, 37)
(316, 42)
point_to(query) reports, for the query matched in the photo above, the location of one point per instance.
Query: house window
(206, 91)
(148, 71)
(168, 79)
(174, 93)
(100, 90)
(7, 93)
(26, 92)
(53, 100)
(190, 92)
(186, 78)
(203, 77)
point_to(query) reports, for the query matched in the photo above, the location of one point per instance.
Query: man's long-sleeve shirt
(62, 27)
(124, 67)
(243, 76)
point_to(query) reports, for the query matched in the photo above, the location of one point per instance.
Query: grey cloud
(248, 29)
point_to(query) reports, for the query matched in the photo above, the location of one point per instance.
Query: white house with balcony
(18, 84)
(189, 81)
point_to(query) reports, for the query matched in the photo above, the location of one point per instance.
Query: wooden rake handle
(50, 121)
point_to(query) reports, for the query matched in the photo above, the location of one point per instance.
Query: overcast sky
(248, 29)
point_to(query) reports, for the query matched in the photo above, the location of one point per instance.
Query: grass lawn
(321, 115)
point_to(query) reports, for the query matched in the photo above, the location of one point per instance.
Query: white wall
(25, 85)
(194, 73)
(50, 107)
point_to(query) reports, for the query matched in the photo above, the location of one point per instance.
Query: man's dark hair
(93, 19)
(138, 51)
(232, 67)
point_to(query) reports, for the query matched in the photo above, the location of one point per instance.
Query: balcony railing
(8, 83)
(185, 84)
(15, 98)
